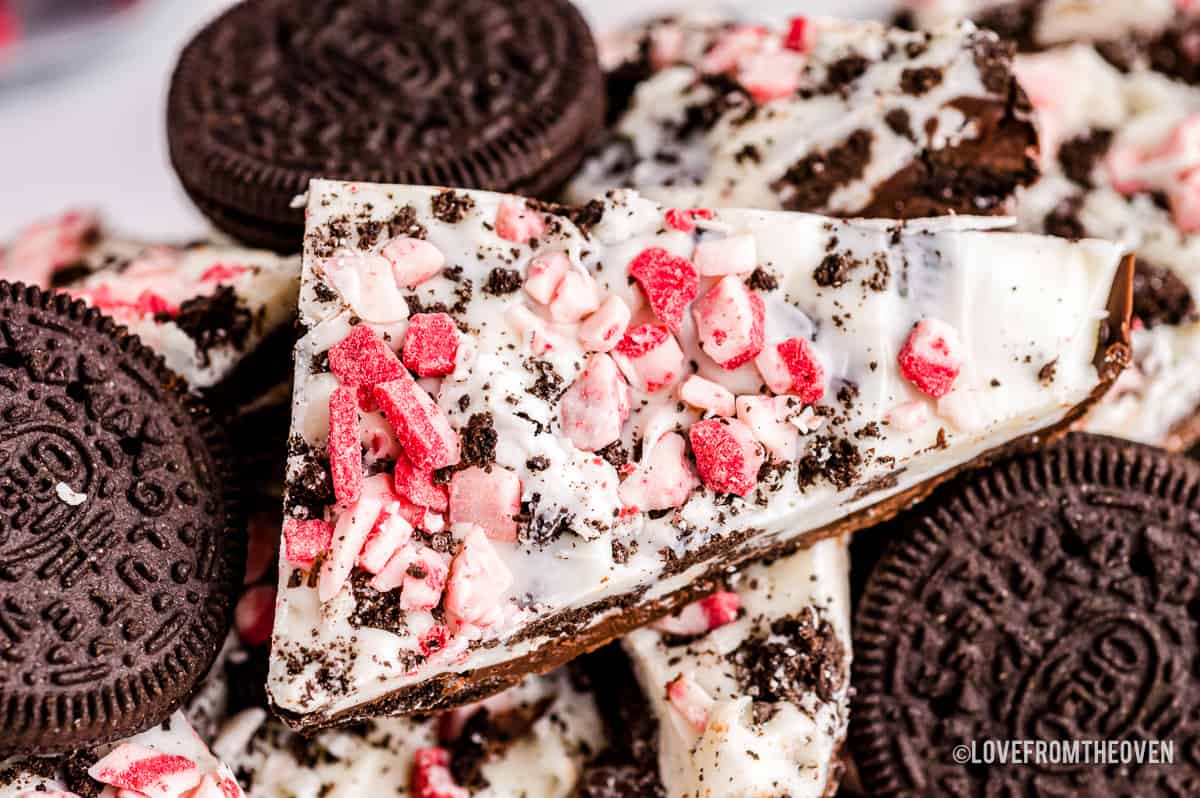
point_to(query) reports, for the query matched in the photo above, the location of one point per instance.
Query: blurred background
(82, 89)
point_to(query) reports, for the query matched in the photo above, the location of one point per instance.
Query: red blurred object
(46, 37)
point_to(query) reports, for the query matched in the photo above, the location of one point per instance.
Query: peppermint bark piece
(166, 761)
(219, 314)
(828, 116)
(582, 495)
(1121, 159)
(1151, 34)
(531, 740)
(750, 685)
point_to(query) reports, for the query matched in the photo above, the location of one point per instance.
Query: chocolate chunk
(762, 280)
(502, 281)
(1161, 297)
(451, 207)
(1063, 220)
(834, 270)
(920, 81)
(808, 184)
(479, 440)
(1080, 155)
(801, 655)
(214, 320)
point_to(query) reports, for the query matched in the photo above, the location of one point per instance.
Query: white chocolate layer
(793, 752)
(1019, 303)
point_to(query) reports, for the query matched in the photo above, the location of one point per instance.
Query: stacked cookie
(567, 488)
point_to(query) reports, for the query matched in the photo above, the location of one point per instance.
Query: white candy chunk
(413, 260)
(544, 274)
(730, 321)
(575, 297)
(733, 255)
(596, 405)
(766, 416)
(663, 480)
(478, 581)
(367, 284)
(605, 328)
(707, 395)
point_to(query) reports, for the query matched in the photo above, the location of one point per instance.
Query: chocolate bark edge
(449, 690)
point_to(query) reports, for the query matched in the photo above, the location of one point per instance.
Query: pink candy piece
(684, 219)
(730, 320)
(517, 222)
(417, 486)
(596, 405)
(700, 617)
(908, 416)
(727, 455)
(350, 533)
(707, 395)
(478, 582)
(793, 367)
(413, 260)
(771, 76)
(605, 328)
(663, 481)
(576, 296)
(304, 541)
(424, 581)
(212, 787)
(932, 357)
(732, 255)
(222, 272)
(797, 35)
(733, 45)
(434, 640)
(391, 574)
(650, 357)
(131, 766)
(45, 247)
(362, 358)
(345, 449)
(431, 777)
(544, 274)
(532, 329)
(766, 416)
(390, 533)
(490, 498)
(421, 427)
(367, 283)
(1184, 197)
(690, 700)
(431, 344)
(669, 282)
(255, 615)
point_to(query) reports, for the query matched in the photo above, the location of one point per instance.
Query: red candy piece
(690, 700)
(304, 541)
(797, 35)
(220, 272)
(131, 766)
(362, 358)
(685, 220)
(701, 617)
(433, 640)
(932, 357)
(431, 777)
(417, 486)
(489, 498)
(345, 450)
(730, 320)
(254, 616)
(650, 357)
(727, 456)
(669, 282)
(596, 405)
(793, 367)
(431, 344)
(151, 304)
(420, 425)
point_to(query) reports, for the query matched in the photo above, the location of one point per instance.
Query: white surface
(97, 137)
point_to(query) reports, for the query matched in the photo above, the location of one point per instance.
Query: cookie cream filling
(1120, 165)
(203, 307)
(531, 740)
(757, 705)
(845, 118)
(574, 454)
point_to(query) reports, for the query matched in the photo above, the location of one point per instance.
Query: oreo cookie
(121, 546)
(1053, 597)
(472, 93)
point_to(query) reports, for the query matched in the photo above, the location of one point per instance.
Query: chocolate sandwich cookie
(120, 546)
(1051, 598)
(476, 94)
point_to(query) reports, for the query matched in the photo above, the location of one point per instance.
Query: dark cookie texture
(475, 94)
(1053, 597)
(121, 548)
